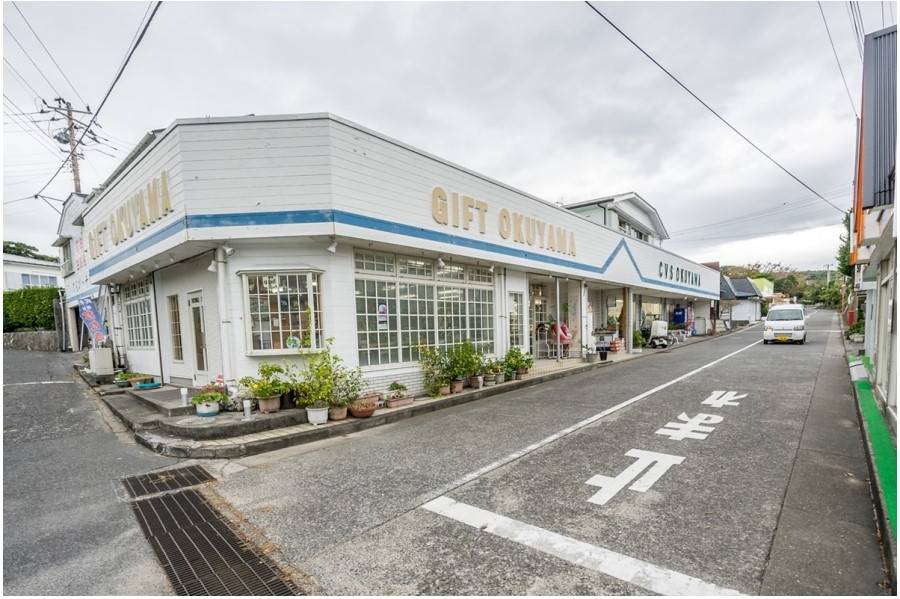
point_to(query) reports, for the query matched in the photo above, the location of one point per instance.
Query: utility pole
(72, 147)
(828, 274)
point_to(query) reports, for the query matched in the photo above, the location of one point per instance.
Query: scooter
(659, 334)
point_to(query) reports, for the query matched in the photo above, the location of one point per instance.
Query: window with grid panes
(416, 303)
(138, 316)
(283, 311)
(175, 327)
(376, 322)
(481, 318)
(516, 320)
(415, 267)
(451, 312)
(374, 261)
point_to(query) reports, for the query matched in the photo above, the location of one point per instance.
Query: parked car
(786, 323)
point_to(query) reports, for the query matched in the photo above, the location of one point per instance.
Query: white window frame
(139, 336)
(175, 329)
(314, 318)
(466, 283)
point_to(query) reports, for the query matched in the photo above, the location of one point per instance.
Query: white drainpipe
(224, 311)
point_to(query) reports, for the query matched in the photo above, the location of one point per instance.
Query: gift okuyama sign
(472, 214)
(131, 217)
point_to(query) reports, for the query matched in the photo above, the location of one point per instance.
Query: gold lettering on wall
(464, 211)
(133, 215)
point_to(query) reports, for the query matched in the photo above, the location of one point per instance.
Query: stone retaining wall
(31, 340)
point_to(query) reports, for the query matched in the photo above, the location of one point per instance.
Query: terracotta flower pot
(337, 412)
(521, 371)
(269, 404)
(475, 382)
(362, 408)
(396, 402)
(457, 386)
(444, 390)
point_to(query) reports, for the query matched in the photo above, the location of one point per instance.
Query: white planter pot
(207, 409)
(317, 415)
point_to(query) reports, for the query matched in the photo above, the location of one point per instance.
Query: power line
(862, 23)
(855, 28)
(36, 125)
(47, 50)
(708, 107)
(786, 205)
(27, 55)
(692, 236)
(40, 140)
(21, 78)
(838, 60)
(112, 86)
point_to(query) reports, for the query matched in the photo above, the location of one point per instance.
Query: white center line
(637, 572)
(40, 383)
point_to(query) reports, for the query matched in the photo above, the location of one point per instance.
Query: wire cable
(40, 140)
(21, 78)
(27, 55)
(855, 28)
(47, 50)
(837, 60)
(709, 108)
(134, 47)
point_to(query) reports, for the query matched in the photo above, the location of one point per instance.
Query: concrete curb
(160, 442)
(876, 489)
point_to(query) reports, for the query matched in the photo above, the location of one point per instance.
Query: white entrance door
(195, 304)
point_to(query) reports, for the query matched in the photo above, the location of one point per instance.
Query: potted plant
(397, 395)
(444, 387)
(472, 363)
(267, 387)
(603, 352)
(208, 402)
(347, 383)
(637, 342)
(435, 365)
(364, 406)
(490, 373)
(518, 361)
(500, 371)
(457, 367)
(590, 354)
(121, 379)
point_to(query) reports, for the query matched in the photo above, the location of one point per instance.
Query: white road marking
(40, 383)
(586, 422)
(723, 398)
(690, 427)
(634, 571)
(659, 464)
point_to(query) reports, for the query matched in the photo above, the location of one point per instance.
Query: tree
(788, 285)
(843, 256)
(17, 248)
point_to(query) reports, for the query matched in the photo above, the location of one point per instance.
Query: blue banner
(92, 320)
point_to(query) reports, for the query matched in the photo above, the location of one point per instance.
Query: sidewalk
(826, 528)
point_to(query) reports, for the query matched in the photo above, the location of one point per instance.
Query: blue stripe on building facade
(291, 217)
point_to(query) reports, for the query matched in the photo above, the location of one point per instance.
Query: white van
(785, 322)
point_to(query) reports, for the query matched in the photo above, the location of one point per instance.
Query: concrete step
(165, 400)
(135, 414)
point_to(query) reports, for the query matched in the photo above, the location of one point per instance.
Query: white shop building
(223, 242)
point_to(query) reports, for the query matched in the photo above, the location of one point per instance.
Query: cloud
(543, 96)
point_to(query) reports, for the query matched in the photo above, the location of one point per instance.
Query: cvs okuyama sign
(468, 213)
(138, 212)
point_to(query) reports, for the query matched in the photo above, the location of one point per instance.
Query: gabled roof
(744, 288)
(631, 198)
(726, 291)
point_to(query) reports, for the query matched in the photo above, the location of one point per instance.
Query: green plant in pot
(637, 341)
(397, 395)
(490, 373)
(315, 391)
(456, 367)
(208, 403)
(518, 361)
(267, 387)
(347, 384)
(590, 353)
(122, 379)
(435, 370)
(472, 362)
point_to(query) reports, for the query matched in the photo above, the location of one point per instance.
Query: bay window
(282, 311)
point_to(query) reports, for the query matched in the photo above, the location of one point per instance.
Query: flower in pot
(637, 341)
(267, 387)
(590, 355)
(137, 377)
(491, 368)
(207, 404)
(444, 387)
(471, 363)
(517, 361)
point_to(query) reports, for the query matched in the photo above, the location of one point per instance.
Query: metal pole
(558, 327)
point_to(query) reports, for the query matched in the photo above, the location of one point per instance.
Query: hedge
(29, 309)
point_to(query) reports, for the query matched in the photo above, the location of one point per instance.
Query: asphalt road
(66, 529)
(569, 487)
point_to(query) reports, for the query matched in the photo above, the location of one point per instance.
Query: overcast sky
(543, 96)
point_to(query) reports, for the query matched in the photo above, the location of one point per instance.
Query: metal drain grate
(201, 553)
(166, 480)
